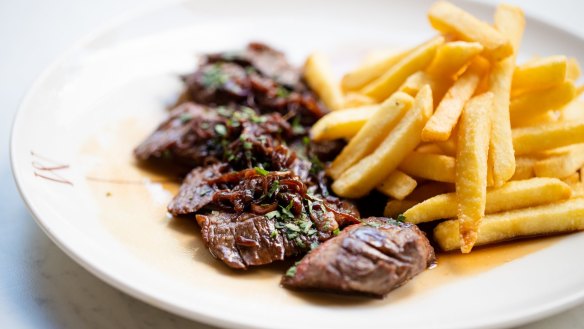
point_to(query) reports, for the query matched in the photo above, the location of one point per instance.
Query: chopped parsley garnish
(306, 140)
(373, 224)
(261, 171)
(292, 270)
(282, 92)
(224, 112)
(292, 227)
(185, 117)
(274, 188)
(317, 165)
(297, 128)
(401, 218)
(274, 234)
(336, 231)
(247, 145)
(314, 245)
(213, 77)
(273, 214)
(220, 129)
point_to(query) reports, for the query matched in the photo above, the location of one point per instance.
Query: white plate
(93, 105)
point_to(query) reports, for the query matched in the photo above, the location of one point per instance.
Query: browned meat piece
(258, 77)
(185, 136)
(268, 61)
(195, 193)
(326, 150)
(243, 240)
(372, 259)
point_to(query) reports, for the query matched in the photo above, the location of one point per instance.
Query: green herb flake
(314, 245)
(273, 214)
(297, 128)
(373, 224)
(185, 117)
(292, 227)
(213, 77)
(306, 140)
(274, 188)
(220, 129)
(292, 271)
(223, 111)
(274, 234)
(247, 145)
(401, 218)
(261, 171)
(336, 231)
(282, 92)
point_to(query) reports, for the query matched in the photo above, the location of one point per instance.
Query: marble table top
(40, 286)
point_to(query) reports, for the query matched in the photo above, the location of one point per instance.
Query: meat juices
(257, 186)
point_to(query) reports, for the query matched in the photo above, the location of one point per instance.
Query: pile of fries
(454, 130)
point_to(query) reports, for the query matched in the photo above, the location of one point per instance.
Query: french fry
(362, 177)
(372, 133)
(537, 102)
(572, 179)
(441, 124)
(534, 139)
(430, 148)
(512, 195)
(342, 124)
(540, 73)
(397, 185)
(511, 22)
(418, 59)
(561, 166)
(416, 81)
(566, 216)
(447, 18)
(524, 168)
(573, 111)
(355, 100)
(541, 119)
(318, 74)
(434, 167)
(471, 167)
(371, 70)
(396, 207)
(573, 70)
(451, 57)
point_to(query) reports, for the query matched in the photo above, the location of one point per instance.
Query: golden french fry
(573, 111)
(441, 124)
(534, 139)
(429, 148)
(471, 166)
(537, 102)
(382, 87)
(511, 22)
(566, 216)
(573, 70)
(434, 167)
(449, 19)
(451, 57)
(372, 133)
(572, 179)
(318, 73)
(524, 168)
(356, 100)
(371, 70)
(362, 177)
(561, 166)
(541, 119)
(342, 124)
(540, 73)
(397, 185)
(396, 207)
(512, 195)
(416, 81)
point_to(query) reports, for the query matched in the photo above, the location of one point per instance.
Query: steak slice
(183, 136)
(371, 259)
(195, 193)
(243, 240)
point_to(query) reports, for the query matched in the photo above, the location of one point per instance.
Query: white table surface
(41, 287)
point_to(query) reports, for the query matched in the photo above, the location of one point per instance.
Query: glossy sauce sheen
(132, 200)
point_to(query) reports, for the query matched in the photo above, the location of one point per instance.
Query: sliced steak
(371, 258)
(258, 77)
(184, 136)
